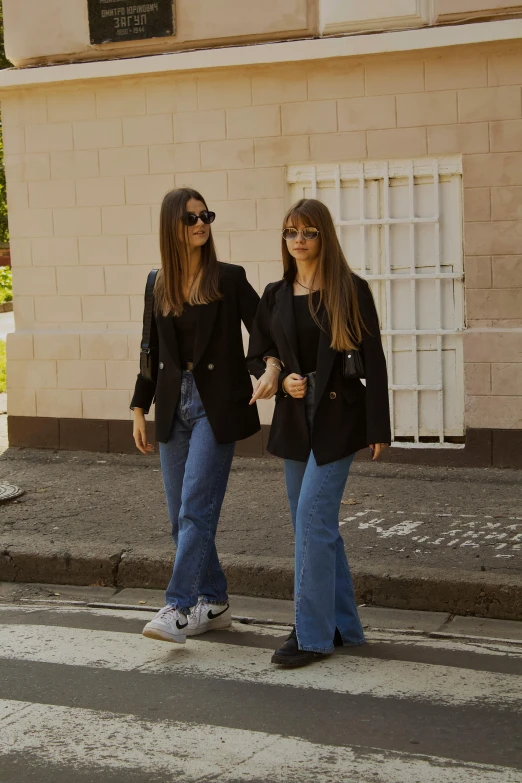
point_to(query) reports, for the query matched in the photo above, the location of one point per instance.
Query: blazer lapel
(205, 324)
(325, 361)
(284, 326)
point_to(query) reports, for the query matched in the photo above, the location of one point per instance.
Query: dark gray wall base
(483, 448)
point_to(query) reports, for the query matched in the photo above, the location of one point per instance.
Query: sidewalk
(438, 539)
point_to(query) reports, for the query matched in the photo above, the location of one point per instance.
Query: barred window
(400, 226)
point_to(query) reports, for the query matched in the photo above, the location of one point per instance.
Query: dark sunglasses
(293, 233)
(190, 218)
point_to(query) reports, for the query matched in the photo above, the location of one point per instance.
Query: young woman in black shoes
(321, 324)
(202, 391)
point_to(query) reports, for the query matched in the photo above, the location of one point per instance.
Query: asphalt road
(85, 697)
(392, 515)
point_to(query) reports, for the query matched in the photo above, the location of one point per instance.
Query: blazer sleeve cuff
(379, 436)
(144, 394)
(282, 376)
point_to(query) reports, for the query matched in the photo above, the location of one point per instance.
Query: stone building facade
(411, 132)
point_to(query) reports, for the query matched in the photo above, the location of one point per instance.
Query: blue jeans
(195, 472)
(323, 587)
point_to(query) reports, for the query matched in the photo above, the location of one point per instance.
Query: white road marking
(76, 610)
(467, 534)
(173, 749)
(443, 641)
(339, 674)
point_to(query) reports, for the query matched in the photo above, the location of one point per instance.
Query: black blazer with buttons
(220, 372)
(348, 416)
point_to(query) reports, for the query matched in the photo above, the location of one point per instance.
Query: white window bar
(387, 277)
(376, 258)
(438, 291)
(338, 201)
(413, 302)
(362, 221)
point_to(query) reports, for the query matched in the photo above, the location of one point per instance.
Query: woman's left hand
(377, 448)
(266, 386)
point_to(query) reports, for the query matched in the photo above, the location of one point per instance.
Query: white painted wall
(31, 29)
(54, 30)
(338, 16)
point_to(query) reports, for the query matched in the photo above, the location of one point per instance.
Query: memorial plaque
(117, 20)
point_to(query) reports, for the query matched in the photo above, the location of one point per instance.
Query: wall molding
(461, 10)
(264, 54)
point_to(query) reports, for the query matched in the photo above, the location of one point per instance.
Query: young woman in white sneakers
(202, 390)
(320, 322)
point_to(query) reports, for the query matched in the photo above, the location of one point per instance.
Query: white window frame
(309, 177)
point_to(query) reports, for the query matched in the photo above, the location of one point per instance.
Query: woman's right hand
(266, 386)
(139, 432)
(295, 385)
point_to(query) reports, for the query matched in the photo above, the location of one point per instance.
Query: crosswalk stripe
(451, 642)
(339, 674)
(198, 751)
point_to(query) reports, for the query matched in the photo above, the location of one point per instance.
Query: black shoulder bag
(148, 358)
(353, 364)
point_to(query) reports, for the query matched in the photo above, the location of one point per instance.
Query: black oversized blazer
(347, 415)
(220, 372)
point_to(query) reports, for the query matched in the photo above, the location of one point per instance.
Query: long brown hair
(338, 288)
(175, 258)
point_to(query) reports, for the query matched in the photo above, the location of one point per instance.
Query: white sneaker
(206, 617)
(168, 625)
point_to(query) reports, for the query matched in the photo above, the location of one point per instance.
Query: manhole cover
(9, 492)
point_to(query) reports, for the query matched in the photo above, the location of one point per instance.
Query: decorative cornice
(264, 54)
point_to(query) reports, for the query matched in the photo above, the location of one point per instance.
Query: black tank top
(307, 333)
(185, 326)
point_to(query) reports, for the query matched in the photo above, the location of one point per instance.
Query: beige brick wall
(87, 171)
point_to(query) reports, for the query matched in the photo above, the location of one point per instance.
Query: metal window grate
(400, 225)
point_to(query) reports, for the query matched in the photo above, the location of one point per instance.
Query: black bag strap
(147, 312)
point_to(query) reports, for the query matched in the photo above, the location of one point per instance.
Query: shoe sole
(296, 663)
(214, 625)
(159, 636)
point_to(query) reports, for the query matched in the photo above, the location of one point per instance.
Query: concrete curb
(481, 594)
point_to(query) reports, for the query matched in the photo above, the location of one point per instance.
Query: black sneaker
(290, 655)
